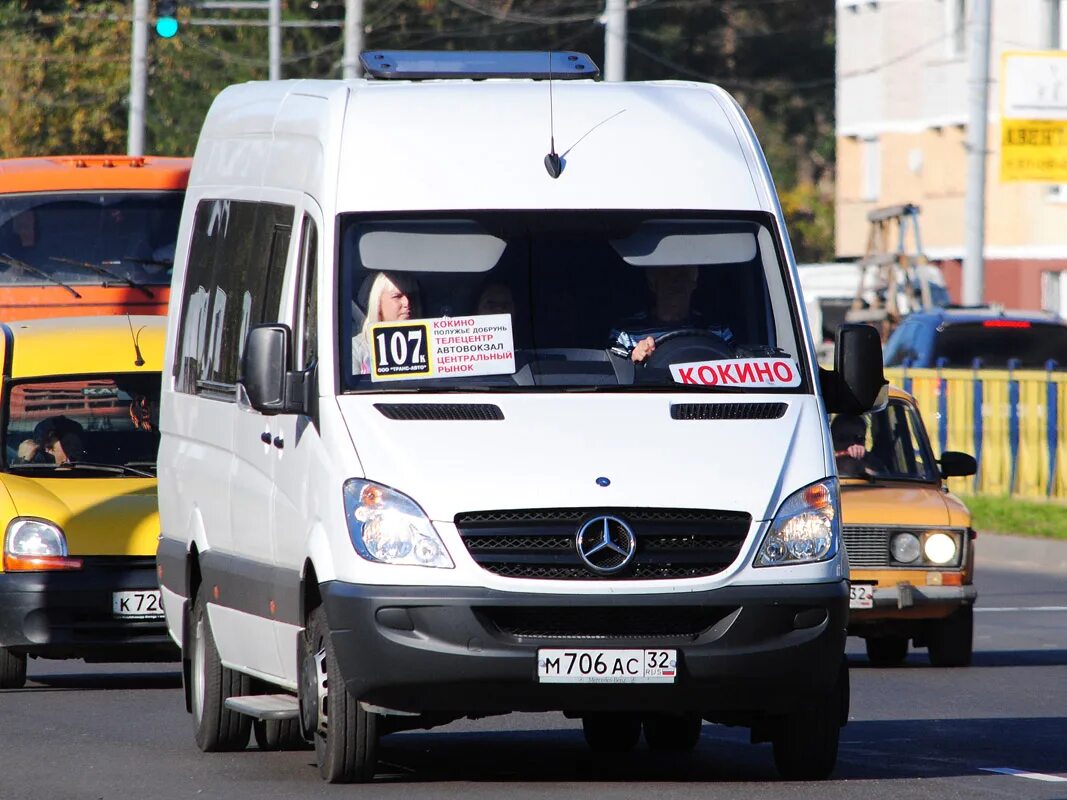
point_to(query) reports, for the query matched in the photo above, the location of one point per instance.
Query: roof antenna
(553, 163)
(139, 360)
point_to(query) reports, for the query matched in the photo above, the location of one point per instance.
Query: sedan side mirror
(269, 385)
(856, 384)
(955, 464)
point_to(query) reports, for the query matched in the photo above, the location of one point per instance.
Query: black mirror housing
(856, 384)
(958, 465)
(267, 382)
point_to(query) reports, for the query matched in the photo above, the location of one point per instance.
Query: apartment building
(902, 109)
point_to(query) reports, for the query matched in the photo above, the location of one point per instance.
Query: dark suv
(978, 337)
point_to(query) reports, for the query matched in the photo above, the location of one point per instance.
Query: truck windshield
(113, 238)
(108, 424)
(565, 300)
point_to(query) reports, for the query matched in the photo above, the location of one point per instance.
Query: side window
(234, 278)
(307, 306)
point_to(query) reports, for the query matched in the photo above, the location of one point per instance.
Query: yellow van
(909, 540)
(79, 400)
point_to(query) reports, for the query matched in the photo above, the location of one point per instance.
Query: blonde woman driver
(393, 297)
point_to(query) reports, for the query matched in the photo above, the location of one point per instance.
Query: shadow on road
(103, 681)
(917, 659)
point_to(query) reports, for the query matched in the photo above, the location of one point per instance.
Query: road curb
(1020, 552)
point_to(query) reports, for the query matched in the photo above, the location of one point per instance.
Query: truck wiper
(11, 261)
(99, 270)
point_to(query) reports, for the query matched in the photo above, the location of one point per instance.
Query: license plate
(606, 666)
(138, 604)
(861, 595)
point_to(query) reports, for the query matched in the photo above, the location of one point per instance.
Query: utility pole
(274, 25)
(138, 79)
(977, 130)
(353, 39)
(615, 40)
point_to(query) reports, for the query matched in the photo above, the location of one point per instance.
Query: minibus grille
(727, 410)
(541, 543)
(684, 623)
(866, 545)
(440, 412)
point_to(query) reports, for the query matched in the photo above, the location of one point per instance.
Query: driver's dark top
(633, 329)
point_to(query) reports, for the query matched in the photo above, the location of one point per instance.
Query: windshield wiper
(99, 270)
(121, 469)
(11, 261)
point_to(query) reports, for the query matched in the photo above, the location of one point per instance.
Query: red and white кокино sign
(755, 372)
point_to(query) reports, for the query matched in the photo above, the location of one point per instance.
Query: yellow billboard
(1033, 116)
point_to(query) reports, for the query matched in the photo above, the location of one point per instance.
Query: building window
(1054, 292)
(871, 155)
(955, 28)
(1052, 29)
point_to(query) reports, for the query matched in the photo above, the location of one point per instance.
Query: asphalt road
(997, 729)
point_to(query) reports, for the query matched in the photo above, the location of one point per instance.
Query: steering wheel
(687, 344)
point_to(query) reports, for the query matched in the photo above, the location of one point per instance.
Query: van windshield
(565, 300)
(108, 425)
(78, 238)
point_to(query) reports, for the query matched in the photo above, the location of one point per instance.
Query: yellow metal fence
(1012, 422)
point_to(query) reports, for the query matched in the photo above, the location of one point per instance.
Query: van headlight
(805, 529)
(33, 545)
(389, 527)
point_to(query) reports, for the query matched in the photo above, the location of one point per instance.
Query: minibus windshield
(107, 425)
(113, 238)
(565, 300)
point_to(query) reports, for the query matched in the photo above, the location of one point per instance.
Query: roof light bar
(477, 64)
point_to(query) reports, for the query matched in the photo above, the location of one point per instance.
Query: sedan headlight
(389, 527)
(940, 548)
(806, 528)
(905, 547)
(35, 545)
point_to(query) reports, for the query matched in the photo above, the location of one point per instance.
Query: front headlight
(806, 528)
(940, 548)
(390, 528)
(35, 544)
(905, 547)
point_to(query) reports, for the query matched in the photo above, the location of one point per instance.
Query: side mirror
(856, 384)
(270, 387)
(955, 464)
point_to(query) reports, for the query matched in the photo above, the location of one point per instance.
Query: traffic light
(166, 18)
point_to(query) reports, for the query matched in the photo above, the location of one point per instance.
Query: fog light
(905, 547)
(940, 548)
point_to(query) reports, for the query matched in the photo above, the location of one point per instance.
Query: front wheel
(805, 746)
(345, 736)
(12, 669)
(951, 640)
(217, 728)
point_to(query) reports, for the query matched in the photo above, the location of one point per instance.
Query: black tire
(951, 640)
(805, 745)
(345, 736)
(279, 734)
(675, 732)
(12, 669)
(887, 651)
(217, 728)
(610, 732)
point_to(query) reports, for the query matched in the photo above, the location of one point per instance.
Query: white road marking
(1019, 773)
(1022, 608)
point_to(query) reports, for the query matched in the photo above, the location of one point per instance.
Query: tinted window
(573, 293)
(234, 280)
(88, 238)
(996, 341)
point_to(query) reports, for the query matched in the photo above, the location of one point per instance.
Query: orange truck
(87, 235)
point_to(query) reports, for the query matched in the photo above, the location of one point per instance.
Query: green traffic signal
(166, 27)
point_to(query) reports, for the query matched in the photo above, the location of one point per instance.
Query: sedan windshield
(106, 424)
(565, 300)
(890, 444)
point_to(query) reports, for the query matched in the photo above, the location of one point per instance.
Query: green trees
(65, 68)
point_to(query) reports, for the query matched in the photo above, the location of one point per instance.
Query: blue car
(984, 336)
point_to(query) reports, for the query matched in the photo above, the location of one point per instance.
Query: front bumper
(908, 601)
(743, 652)
(68, 614)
